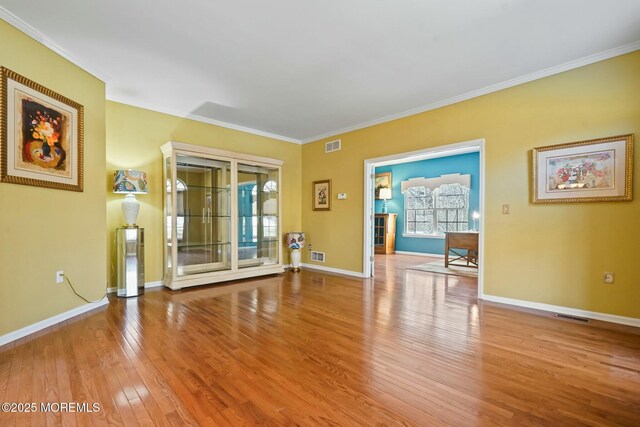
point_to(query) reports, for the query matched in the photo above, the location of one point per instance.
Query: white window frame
(434, 186)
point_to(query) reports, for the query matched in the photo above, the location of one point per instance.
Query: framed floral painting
(585, 171)
(41, 135)
(322, 195)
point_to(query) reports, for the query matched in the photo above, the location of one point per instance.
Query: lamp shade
(295, 239)
(130, 181)
(385, 194)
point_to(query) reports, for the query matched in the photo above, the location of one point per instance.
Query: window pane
(411, 203)
(411, 215)
(451, 227)
(420, 215)
(442, 215)
(463, 226)
(429, 226)
(420, 202)
(411, 227)
(442, 227)
(421, 228)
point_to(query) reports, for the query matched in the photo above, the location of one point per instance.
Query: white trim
(43, 324)
(197, 118)
(224, 155)
(433, 152)
(156, 284)
(420, 254)
(622, 320)
(41, 38)
(147, 285)
(424, 236)
(333, 270)
(577, 63)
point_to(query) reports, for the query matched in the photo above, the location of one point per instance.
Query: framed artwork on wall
(383, 180)
(322, 195)
(41, 135)
(596, 170)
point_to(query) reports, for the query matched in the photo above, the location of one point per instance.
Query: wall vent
(332, 146)
(317, 256)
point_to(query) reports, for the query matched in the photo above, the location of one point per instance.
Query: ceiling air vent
(317, 256)
(332, 146)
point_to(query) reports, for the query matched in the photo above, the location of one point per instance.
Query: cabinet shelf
(203, 216)
(199, 244)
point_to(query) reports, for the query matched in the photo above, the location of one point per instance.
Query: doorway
(413, 156)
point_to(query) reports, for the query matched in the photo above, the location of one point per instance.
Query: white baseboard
(155, 284)
(146, 286)
(420, 254)
(333, 270)
(630, 321)
(38, 326)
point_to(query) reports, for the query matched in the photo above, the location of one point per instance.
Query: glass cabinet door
(258, 205)
(203, 215)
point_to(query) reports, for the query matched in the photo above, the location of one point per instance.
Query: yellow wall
(552, 254)
(43, 230)
(134, 137)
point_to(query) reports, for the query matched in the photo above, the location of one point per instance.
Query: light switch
(342, 196)
(506, 209)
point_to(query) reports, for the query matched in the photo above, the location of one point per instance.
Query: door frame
(476, 145)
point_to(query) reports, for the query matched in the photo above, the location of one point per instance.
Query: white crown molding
(333, 270)
(46, 41)
(587, 60)
(629, 321)
(41, 38)
(43, 324)
(197, 118)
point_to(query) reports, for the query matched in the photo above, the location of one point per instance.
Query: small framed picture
(383, 180)
(322, 195)
(41, 135)
(597, 170)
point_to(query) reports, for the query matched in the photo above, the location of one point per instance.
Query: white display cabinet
(222, 215)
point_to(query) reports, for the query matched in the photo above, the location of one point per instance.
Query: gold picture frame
(595, 170)
(322, 195)
(383, 180)
(41, 135)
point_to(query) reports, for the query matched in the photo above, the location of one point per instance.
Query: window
(431, 213)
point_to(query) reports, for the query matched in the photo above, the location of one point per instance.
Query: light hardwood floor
(408, 348)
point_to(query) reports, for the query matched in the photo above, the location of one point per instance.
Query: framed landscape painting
(586, 171)
(41, 135)
(322, 195)
(383, 180)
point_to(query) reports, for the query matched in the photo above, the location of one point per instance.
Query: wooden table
(465, 240)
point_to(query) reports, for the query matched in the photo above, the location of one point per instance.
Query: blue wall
(463, 164)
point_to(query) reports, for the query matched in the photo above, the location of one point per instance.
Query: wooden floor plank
(405, 348)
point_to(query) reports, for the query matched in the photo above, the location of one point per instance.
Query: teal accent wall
(463, 163)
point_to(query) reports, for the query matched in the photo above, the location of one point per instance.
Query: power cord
(80, 296)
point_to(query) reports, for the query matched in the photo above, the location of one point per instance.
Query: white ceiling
(303, 69)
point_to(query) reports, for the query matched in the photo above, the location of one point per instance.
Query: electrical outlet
(59, 276)
(608, 278)
(506, 209)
